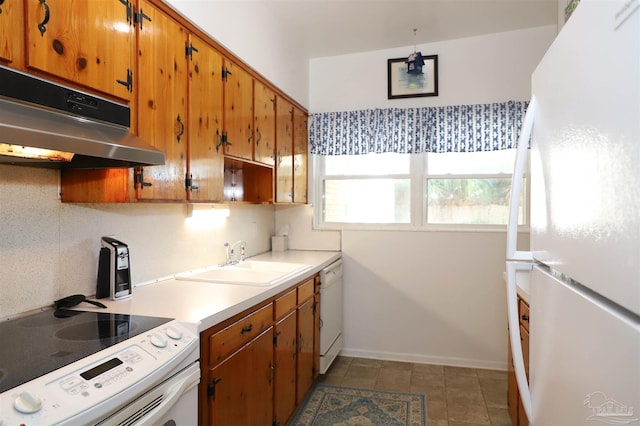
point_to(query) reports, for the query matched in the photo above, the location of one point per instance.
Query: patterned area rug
(337, 405)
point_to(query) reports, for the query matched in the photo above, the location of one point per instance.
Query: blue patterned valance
(459, 128)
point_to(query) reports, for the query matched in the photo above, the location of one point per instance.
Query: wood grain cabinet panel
(162, 103)
(206, 160)
(11, 28)
(300, 155)
(238, 110)
(305, 370)
(224, 342)
(264, 124)
(285, 368)
(241, 387)
(87, 42)
(284, 151)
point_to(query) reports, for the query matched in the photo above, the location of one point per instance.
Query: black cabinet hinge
(225, 74)
(314, 306)
(128, 83)
(275, 338)
(188, 183)
(129, 7)
(211, 387)
(189, 49)
(138, 178)
(139, 17)
(275, 423)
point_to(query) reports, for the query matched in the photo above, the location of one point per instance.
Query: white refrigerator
(583, 124)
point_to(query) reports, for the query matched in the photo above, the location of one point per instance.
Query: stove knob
(174, 332)
(158, 340)
(27, 403)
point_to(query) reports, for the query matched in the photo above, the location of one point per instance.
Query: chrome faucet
(230, 251)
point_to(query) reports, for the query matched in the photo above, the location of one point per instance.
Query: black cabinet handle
(525, 317)
(181, 132)
(42, 25)
(259, 138)
(247, 329)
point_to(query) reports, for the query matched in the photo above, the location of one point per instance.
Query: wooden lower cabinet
(260, 364)
(305, 349)
(244, 380)
(285, 368)
(515, 407)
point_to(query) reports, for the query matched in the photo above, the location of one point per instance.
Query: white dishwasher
(330, 314)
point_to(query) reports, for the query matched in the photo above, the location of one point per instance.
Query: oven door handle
(170, 391)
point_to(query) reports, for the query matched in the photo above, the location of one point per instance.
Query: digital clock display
(102, 368)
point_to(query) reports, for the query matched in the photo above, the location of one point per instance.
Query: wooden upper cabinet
(11, 20)
(300, 155)
(88, 42)
(206, 160)
(265, 124)
(238, 110)
(162, 103)
(284, 151)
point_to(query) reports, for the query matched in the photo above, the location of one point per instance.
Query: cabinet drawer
(224, 342)
(523, 309)
(305, 290)
(285, 304)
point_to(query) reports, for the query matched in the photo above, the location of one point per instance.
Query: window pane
(470, 201)
(472, 163)
(369, 164)
(367, 201)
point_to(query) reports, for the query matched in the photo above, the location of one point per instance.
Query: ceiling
(336, 27)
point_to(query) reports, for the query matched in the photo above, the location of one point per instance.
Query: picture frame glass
(404, 85)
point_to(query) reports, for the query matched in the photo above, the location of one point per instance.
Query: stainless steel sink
(248, 272)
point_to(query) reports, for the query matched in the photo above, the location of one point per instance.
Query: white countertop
(202, 304)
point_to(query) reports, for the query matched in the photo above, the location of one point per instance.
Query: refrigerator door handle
(516, 186)
(514, 333)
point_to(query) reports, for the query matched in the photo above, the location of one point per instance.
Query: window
(431, 190)
(371, 188)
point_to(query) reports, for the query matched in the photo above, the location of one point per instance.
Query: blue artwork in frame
(401, 84)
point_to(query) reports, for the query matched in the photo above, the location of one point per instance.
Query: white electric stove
(96, 368)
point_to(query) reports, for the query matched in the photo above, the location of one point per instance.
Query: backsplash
(49, 249)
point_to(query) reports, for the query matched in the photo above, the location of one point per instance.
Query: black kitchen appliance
(114, 270)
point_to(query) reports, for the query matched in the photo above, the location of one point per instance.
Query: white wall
(247, 29)
(429, 296)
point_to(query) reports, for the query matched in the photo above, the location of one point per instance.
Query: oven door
(172, 402)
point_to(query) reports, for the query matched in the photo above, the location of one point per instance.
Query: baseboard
(425, 359)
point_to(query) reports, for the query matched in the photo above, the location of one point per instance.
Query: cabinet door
(238, 109)
(206, 160)
(284, 148)
(285, 368)
(89, 42)
(316, 335)
(305, 349)
(265, 124)
(162, 101)
(299, 156)
(227, 383)
(244, 380)
(11, 12)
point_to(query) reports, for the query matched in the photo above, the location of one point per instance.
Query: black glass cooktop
(41, 343)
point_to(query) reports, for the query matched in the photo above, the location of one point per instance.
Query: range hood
(44, 124)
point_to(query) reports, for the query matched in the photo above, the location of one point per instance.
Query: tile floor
(456, 396)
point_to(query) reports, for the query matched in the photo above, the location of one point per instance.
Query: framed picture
(401, 84)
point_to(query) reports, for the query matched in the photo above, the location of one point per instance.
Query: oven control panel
(106, 379)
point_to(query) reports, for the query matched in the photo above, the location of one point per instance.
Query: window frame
(418, 176)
